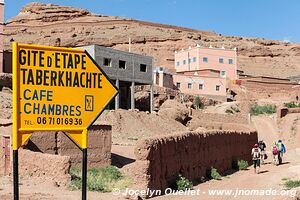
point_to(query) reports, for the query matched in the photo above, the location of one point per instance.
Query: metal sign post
(56, 89)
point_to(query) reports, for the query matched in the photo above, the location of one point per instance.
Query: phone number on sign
(59, 121)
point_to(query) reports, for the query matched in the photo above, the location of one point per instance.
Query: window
(223, 73)
(218, 87)
(122, 64)
(205, 59)
(184, 62)
(200, 86)
(190, 85)
(143, 68)
(221, 60)
(178, 85)
(178, 63)
(107, 62)
(189, 60)
(230, 61)
(194, 59)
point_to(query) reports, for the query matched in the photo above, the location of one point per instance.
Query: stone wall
(99, 146)
(161, 159)
(45, 166)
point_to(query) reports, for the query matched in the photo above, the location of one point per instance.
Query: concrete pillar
(117, 98)
(151, 98)
(161, 79)
(154, 77)
(132, 106)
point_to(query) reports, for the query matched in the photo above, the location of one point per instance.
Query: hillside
(50, 24)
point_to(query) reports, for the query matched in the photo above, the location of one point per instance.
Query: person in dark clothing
(262, 146)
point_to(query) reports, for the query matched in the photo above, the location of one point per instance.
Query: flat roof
(199, 70)
(197, 76)
(201, 47)
(116, 50)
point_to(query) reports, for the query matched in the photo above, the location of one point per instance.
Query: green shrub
(197, 103)
(242, 164)
(213, 173)
(183, 183)
(267, 109)
(292, 105)
(100, 179)
(290, 184)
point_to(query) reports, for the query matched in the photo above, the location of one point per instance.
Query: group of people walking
(259, 154)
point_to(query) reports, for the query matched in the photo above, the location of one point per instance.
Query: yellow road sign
(59, 89)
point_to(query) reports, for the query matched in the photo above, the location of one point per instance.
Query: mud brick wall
(5, 80)
(45, 166)
(282, 112)
(240, 118)
(161, 159)
(262, 90)
(194, 125)
(2, 156)
(5, 130)
(99, 145)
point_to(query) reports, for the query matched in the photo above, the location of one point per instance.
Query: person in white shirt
(256, 152)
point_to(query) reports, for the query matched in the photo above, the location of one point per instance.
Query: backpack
(275, 150)
(279, 146)
(256, 154)
(261, 146)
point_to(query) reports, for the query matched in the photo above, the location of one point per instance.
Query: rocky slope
(50, 24)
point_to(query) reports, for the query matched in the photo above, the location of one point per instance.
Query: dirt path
(266, 127)
(270, 177)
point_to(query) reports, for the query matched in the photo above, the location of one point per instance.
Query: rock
(6, 90)
(171, 109)
(159, 41)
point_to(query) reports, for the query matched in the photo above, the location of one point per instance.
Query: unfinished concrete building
(127, 70)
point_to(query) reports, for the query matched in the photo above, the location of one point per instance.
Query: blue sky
(271, 19)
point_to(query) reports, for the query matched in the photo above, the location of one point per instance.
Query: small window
(107, 62)
(189, 60)
(178, 85)
(200, 86)
(223, 73)
(178, 63)
(122, 64)
(194, 59)
(218, 88)
(143, 68)
(205, 59)
(190, 85)
(230, 61)
(184, 62)
(221, 60)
